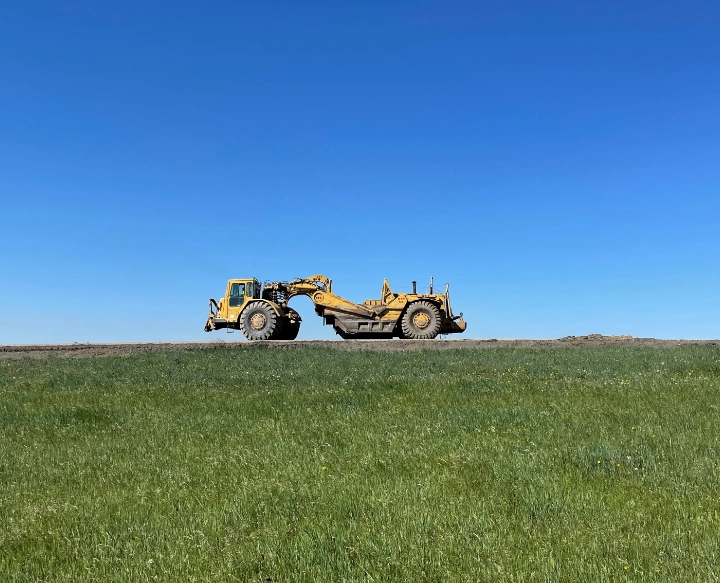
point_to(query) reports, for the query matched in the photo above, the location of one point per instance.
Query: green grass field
(263, 464)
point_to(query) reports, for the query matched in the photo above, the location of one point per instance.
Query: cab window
(237, 294)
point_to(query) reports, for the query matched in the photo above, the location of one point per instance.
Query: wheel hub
(258, 321)
(421, 320)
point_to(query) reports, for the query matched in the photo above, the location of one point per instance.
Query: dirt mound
(595, 337)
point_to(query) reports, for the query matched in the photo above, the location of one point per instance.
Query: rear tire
(259, 321)
(290, 331)
(421, 321)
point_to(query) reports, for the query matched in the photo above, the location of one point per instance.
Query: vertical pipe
(414, 287)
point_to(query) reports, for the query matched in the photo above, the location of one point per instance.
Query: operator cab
(240, 291)
(237, 294)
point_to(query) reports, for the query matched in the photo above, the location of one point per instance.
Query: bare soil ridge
(120, 349)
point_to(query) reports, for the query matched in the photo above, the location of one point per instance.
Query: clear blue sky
(557, 162)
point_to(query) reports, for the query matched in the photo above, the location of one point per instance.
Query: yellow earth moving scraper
(262, 312)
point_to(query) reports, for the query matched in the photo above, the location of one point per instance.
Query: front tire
(259, 321)
(421, 321)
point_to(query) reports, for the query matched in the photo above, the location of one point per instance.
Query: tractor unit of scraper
(261, 312)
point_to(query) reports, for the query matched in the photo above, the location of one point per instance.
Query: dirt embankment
(80, 350)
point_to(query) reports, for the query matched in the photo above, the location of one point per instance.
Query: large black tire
(289, 331)
(421, 321)
(259, 321)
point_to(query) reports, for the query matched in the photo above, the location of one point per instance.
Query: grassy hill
(322, 465)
